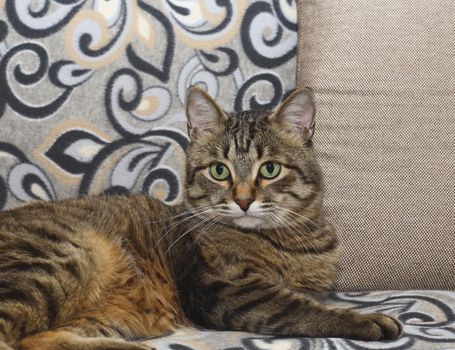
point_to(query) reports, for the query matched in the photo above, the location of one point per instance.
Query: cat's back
(90, 210)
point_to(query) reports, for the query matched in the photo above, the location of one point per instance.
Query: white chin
(248, 222)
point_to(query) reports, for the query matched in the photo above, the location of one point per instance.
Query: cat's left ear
(297, 113)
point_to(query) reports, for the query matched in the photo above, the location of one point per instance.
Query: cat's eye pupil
(219, 169)
(270, 167)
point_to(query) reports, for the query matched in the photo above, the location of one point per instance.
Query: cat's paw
(373, 327)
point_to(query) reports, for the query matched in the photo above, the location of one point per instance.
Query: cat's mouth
(248, 214)
(253, 218)
(248, 221)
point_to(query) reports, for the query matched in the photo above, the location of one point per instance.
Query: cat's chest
(296, 269)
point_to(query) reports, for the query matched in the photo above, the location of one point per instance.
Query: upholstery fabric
(383, 73)
(91, 91)
(428, 317)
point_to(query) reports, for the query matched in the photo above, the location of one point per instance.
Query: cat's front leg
(268, 309)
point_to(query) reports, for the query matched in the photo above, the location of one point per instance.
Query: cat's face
(255, 169)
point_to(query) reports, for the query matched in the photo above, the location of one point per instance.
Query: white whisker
(179, 222)
(204, 230)
(204, 220)
(295, 234)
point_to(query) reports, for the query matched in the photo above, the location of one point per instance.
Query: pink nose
(244, 204)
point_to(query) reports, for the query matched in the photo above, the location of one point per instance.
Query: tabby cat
(247, 251)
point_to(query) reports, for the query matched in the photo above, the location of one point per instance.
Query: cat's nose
(244, 204)
(244, 195)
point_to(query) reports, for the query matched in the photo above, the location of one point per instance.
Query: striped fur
(101, 272)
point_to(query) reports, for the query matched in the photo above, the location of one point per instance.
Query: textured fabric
(428, 317)
(383, 73)
(91, 91)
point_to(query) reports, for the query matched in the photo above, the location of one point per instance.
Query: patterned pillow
(92, 90)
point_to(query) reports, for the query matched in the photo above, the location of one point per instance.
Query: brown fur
(100, 272)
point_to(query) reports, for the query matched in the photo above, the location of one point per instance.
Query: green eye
(270, 170)
(219, 171)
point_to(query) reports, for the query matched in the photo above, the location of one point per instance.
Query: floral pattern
(92, 91)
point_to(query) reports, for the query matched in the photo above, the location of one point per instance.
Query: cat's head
(253, 169)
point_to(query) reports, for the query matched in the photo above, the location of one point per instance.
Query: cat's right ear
(202, 112)
(297, 112)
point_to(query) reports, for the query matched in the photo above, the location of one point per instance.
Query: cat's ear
(202, 112)
(297, 113)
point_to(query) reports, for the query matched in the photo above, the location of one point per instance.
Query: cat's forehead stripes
(247, 135)
(244, 143)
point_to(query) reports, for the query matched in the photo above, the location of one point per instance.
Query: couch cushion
(383, 73)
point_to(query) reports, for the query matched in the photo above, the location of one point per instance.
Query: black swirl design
(125, 146)
(28, 78)
(162, 73)
(166, 175)
(226, 4)
(261, 343)
(3, 193)
(179, 347)
(3, 30)
(85, 40)
(30, 180)
(119, 107)
(279, 12)
(214, 63)
(67, 74)
(71, 163)
(21, 12)
(116, 191)
(26, 181)
(277, 90)
(2, 106)
(3, 35)
(181, 140)
(121, 81)
(13, 151)
(251, 44)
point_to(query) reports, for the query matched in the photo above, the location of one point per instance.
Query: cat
(248, 250)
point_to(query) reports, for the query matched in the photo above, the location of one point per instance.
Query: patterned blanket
(428, 318)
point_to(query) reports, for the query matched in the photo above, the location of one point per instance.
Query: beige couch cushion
(384, 77)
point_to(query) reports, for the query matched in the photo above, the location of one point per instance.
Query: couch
(91, 97)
